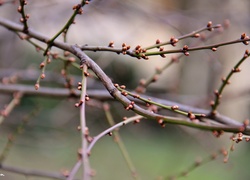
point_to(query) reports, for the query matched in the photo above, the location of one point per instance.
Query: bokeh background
(50, 140)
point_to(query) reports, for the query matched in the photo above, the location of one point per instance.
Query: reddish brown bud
(66, 53)
(137, 47)
(136, 121)
(111, 44)
(87, 98)
(124, 93)
(175, 107)
(42, 76)
(185, 48)
(197, 35)
(243, 36)
(214, 49)
(19, 9)
(37, 86)
(122, 86)
(209, 25)
(86, 73)
(42, 65)
(110, 133)
(173, 41)
(157, 41)
(235, 70)
(191, 116)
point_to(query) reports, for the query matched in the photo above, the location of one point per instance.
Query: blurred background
(50, 140)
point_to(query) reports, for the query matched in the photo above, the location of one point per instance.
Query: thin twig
(218, 93)
(15, 101)
(84, 155)
(74, 170)
(192, 34)
(105, 132)
(12, 137)
(119, 141)
(66, 26)
(24, 16)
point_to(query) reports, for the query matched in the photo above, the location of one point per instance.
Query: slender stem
(119, 141)
(103, 133)
(65, 27)
(225, 81)
(197, 48)
(74, 170)
(184, 36)
(85, 158)
(18, 130)
(193, 166)
(15, 101)
(24, 17)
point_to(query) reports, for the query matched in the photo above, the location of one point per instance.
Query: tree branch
(36, 173)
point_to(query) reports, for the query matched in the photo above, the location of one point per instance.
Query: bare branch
(36, 173)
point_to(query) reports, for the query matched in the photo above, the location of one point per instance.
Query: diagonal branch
(130, 105)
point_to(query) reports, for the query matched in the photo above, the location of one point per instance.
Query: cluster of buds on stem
(244, 37)
(209, 26)
(173, 41)
(138, 50)
(125, 48)
(185, 50)
(130, 106)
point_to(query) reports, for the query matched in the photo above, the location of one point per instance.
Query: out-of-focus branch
(36, 173)
(218, 93)
(74, 170)
(103, 95)
(120, 143)
(15, 101)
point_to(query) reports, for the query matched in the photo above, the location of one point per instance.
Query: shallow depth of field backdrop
(50, 140)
